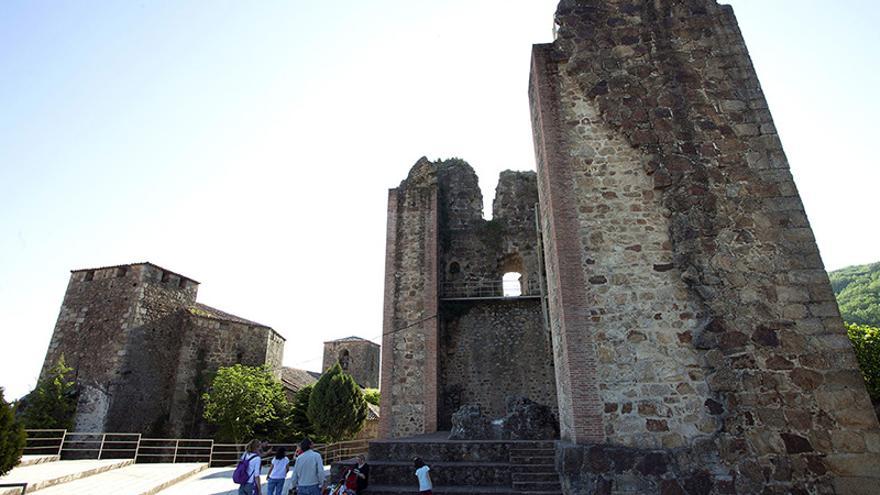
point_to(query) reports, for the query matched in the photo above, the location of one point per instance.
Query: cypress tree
(337, 409)
(12, 436)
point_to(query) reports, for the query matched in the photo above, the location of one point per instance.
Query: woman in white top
(280, 465)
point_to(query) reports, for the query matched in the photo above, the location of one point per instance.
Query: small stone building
(143, 349)
(357, 356)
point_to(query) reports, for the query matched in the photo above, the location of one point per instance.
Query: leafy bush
(866, 342)
(337, 408)
(12, 436)
(858, 293)
(241, 399)
(372, 396)
(52, 403)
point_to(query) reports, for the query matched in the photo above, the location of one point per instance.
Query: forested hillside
(858, 293)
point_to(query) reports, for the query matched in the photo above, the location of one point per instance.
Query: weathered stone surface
(143, 348)
(528, 420)
(651, 130)
(358, 357)
(469, 423)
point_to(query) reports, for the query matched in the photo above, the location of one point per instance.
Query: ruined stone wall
(483, 356)
(689, 305)
(358, 357)
(409, 342)
(492, 350)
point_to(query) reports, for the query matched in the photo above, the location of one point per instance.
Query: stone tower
(142, 348)
(689, 307)
(358, 357)
(452, 336)
(696, 343)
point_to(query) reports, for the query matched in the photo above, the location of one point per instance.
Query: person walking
(424, 477)
(278, 473)
(252, 457)
(362, 471)
(308, 471)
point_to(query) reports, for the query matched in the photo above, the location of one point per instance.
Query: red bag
(351, 480)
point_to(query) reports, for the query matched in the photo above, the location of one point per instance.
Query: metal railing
(489, 289)
(23, 486)
(80, 445)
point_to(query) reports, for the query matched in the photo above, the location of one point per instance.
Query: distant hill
(858, 293)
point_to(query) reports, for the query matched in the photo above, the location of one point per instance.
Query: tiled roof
(134, 264)
(295, 379)
(372, 412)
(205, 311)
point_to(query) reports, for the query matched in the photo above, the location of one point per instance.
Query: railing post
(61, 445)
(176, 445)
(101, 449)
(211, 454)
(137, 448)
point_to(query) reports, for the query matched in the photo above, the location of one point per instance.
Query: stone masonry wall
(207, 345)
(143, 390)
(409, 342)
(491, 350)
(362, 361)
(142, 357)
(91, 332)
(676, 240)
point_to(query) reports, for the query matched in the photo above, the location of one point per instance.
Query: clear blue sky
(250, 145)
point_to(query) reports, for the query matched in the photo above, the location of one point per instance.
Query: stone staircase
(462, 467)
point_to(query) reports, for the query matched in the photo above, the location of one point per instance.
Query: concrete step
(521, 477)
(136, 479)
(48, 474)
(30, 460)
(443, 473)
(548, 460)
(464, 490)
(537, 486)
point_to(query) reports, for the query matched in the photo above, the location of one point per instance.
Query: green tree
(858, 293)
(12, 436)
(372, 396)
(240, 399)
(300, 422)
(866, 342)
(52, 403)
(337, 408)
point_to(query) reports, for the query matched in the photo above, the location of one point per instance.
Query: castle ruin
(143, 349)
(673, 308)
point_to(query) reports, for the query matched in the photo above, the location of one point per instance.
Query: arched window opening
(344, 359)
(454, 271)
(511, 284)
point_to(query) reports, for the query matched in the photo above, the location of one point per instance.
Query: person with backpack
(308, 471)
(247, 472)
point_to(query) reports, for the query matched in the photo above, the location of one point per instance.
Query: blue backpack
(242, 472)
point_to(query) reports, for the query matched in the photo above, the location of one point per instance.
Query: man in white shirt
(308, 472)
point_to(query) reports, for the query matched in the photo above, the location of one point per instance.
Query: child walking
(424, 477)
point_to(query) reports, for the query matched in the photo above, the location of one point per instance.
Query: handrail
(23, 486)
(142, 449)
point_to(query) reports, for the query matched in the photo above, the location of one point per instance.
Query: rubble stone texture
(358, 357)
(690, 311)
(450, 338)
(143, 349)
